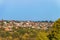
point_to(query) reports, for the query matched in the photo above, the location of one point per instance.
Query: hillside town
(8, 25)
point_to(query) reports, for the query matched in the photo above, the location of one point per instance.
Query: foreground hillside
(29, 31)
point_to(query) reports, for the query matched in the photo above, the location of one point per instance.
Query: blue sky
(30, 9)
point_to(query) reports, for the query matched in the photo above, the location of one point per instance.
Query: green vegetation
(55, 31)
(32, 34)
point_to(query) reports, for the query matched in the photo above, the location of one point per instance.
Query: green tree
(42, 35)
(55, 31)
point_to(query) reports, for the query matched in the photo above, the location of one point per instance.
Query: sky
(30, 9)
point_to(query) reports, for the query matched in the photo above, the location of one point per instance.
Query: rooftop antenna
(2, 19)
(2, 22)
